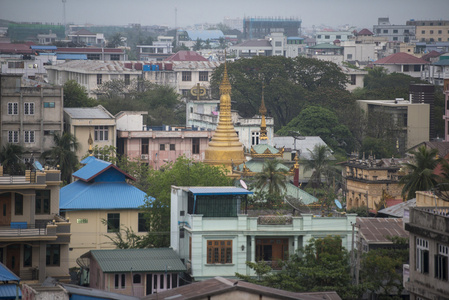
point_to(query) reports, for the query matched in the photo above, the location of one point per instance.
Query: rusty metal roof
(377, 230)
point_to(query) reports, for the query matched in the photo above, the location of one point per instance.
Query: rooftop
(186, 56)
(98, 112)
(377, 230)
(401, 58)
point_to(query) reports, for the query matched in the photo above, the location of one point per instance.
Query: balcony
(22, 229)
(58, 228)
(35, 177)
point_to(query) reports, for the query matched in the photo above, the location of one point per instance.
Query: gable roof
(442, 147)
(83, 32)
(220, 285)
(400, 58)
(80, 195)
(137, 260)
(95, 168)
(364, 31)
(397, 211)
(97, 112)
(376, 230)
(186, 56)
(6, 274)
(431, 54)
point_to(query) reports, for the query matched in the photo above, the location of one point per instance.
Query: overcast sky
(359, 13)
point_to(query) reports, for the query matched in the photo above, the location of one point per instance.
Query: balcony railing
(275, 220)
(23, 230)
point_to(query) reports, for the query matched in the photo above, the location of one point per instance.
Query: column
(42, 261)
(32, 208)
(253, 248)
(295, 243)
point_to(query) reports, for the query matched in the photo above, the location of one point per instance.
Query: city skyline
(358, 13)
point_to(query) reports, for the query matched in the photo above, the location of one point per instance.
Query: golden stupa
(225, 148)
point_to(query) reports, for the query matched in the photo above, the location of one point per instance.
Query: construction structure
(260, 27)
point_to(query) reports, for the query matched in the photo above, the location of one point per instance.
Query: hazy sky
(360, 13)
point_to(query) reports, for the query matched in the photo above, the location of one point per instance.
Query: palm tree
(273, 176)
(421, 176)
(63, 154)
(11, 159)
(320, 164)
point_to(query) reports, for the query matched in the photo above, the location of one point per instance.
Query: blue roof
(219, 190)
(88, 160)
(6, 274)
(44, 47)
(64, 56)
(205, 34)
(294, 38)
(80, 195)
(8, 291)
(95, 168)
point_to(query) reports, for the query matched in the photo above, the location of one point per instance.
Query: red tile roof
(83, 32)
(365, 32)
(431, 54)
(186, 56)
(401, 58)
(9, 48)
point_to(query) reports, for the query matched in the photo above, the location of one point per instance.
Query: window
(406, 31)
(385, 30)
(204, 76)
(318, 36)
(405, 68)
(278, 44)
(28, 108)
(349, 56)
(327, 37)
(81, 221)
(93, 56)
(162, 147)
(395, 31)
(338, 37)
(395, 38)
(127, 79)
(49, 105)
(255, 138)
(440, 31)
(99, 78)
(378, 30)
(219, 252)
(161, 281)
(172, 147)
(137, 278)
(182, 233)
(423, 32)
(13, 108)
(27, 255)
(28, 136)
(13, 136)
(186, 76)
(18, 204)
(115, 56)
(16, 65)
(142, 225)
(422, 255)
(113, 222)
(441, 262)
(144, 146)
(49, 132)
(53, 256)
(101, 133)
(431, 32)
(417, 68)
(119, 281)
(195, 146)
(42, 202)
(353, 79)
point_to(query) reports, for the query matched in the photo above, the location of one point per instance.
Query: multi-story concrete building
(402, 62)
(91, 53)
(429, 253)
(410, 120)
(95, 122)
(87, 38)
(31, 113)
(437, 72)
(329, 37)
(34, 239)
(156, 146)
(259, 28)
(368, 182)
(394, 33)
(431, 30)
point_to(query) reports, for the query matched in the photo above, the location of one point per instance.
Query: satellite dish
(243, 184)
(338, 204)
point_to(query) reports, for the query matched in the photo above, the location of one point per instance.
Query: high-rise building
(259, 28)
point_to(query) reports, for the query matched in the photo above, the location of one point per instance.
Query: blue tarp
(71, 56)
(44, 47)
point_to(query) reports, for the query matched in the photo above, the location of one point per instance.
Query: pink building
(158, 145)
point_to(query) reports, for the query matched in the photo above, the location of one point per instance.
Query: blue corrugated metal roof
(44, 47)
(63, 56)
(6, 274)
(9, 291)
(294, 38)
(219, 190)
(205, 34)
(80, 195)
(88, 160)
(90, 170)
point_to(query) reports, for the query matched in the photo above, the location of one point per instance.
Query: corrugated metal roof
(9, 291)
(257, 166)
(93, 168)
(87, 113)
(297, 193)
(398, 209)
(138, 260)
(219, 190)
(88, 160)
(80, 195)
(261, 148)
(94, 293)
(97, 66)
(377, 230)
(303, 145)
(6, 274)
(71, 56)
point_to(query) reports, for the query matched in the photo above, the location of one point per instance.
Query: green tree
(75, 95)
(126, 238)
(273, 177)
(421, 176)
(62, 154)
(321, 164)
(379, 147)
(11, 159)
(198, 45)
(115, 41)
(182, 172)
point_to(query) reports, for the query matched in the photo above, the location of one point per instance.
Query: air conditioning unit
(144, 156)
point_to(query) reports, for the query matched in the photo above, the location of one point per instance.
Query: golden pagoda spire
(90, 141)
(225, 147)
(263, 124)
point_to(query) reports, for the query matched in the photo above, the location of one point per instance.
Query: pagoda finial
(225, 86)
(263, 124)
(90, 141)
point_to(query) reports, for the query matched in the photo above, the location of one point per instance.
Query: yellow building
(99, 204)
(431, 30)
(367, 182)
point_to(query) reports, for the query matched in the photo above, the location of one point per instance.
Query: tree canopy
(75, 95)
